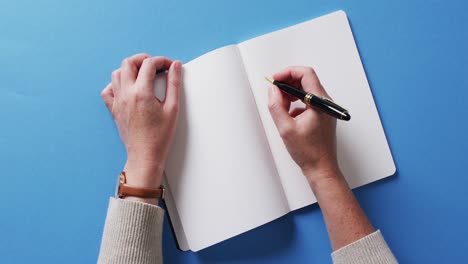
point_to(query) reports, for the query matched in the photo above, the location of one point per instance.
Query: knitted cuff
(371, 249)
(132, 233)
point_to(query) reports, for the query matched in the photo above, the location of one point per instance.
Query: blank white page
(326, 44)
(220, 172)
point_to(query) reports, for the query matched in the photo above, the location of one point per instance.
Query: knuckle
(146, 55)
(125, 61)
(146, 60)
(311, 70)
(115, 73)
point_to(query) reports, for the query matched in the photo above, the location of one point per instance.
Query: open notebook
(228, 170)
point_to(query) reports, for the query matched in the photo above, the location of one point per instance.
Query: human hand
(146, 125)
(309, 135)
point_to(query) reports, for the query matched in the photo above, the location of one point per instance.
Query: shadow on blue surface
(266, 241)
(362, 190)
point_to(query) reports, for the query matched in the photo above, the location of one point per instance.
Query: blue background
(60, 152)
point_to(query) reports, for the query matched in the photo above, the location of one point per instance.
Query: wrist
(323, 174)
(138, 187)
(327, 183)
(144, 174)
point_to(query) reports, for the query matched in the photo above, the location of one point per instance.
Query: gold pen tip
(269, 79)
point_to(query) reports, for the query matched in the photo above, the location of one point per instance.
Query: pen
(324, 104)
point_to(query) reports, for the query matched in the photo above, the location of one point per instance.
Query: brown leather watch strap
(127, 190)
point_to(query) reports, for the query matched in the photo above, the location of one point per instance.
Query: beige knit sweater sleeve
(133, 234)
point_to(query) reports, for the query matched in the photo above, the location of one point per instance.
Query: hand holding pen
(308, 134)
(323, 104)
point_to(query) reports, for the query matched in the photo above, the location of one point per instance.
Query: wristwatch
(127, 190)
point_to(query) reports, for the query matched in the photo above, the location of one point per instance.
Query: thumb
(108, 96)
(278, 111)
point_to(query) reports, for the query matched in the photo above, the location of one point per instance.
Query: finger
(278, 111)
(286, 100)
(116, 88)
(174, 82)
(148, 71)
(130, 67)
(285, 76)
(108, 96)
(288, 97)
(292, 98)
(309, 80)
(306, 76)
(297, 111)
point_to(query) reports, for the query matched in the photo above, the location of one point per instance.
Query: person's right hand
(309, 135)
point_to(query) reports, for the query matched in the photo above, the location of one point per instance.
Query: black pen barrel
(330, 108)
(290, 90)
(323, 104)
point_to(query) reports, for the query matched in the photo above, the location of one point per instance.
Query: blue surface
(60, 152)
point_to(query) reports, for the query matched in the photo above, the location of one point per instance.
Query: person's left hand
(146, 125)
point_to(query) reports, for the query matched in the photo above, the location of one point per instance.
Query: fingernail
(178, 65)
